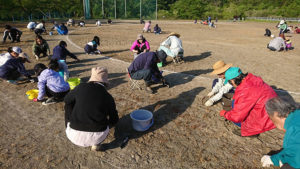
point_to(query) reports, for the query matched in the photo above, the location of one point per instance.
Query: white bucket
(142, 120)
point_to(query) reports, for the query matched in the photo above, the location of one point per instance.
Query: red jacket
(249, 106)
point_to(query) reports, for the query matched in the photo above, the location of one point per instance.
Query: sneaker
(95, 148)
(36, 57)
(175, 60)
(49, 101)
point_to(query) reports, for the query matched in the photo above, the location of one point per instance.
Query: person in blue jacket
(62, 29)
(285, 114)
(60, 52)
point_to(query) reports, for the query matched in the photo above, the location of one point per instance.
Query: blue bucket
(141, 119)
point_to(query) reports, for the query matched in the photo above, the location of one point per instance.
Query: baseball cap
(232, 73)
(16, 49)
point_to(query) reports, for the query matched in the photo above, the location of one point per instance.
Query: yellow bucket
(73, 82)
(32, 94)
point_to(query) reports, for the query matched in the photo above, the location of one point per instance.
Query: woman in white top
(218, 88)
(172, 46)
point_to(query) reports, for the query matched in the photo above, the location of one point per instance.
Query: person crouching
(91, 47)
(90, 111)
(50, 83)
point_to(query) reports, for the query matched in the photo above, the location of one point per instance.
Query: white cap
(281, 22)
(16, 49)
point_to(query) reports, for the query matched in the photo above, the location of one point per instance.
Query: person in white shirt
(12, 52)
(31, 25)
(98, 23)
(218, 88)
(40, 28)
(172, 46)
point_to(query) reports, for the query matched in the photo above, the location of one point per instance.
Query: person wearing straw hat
(140, 45)
(14, 68)
(172, 46)
(219, 88)
(248, 109)
(90, 111)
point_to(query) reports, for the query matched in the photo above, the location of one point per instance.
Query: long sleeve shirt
(220, 89)
(61, 53)
(53, 81)
(277, 43)
(145, 61)
(11, 34)
(291, 142)
(11, 65)
(42, 47)
(174, 43)
(4, 58)
(140, 45)
(89, 107)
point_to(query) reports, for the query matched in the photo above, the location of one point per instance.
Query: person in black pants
(12, 33)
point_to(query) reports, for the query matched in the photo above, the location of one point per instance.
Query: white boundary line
(198, 77)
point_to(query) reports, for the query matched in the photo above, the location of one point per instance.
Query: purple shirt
(53, 81)
(144, 61)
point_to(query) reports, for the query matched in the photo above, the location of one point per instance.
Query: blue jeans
(144, 74)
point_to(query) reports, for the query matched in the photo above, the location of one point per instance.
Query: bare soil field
(185, 133)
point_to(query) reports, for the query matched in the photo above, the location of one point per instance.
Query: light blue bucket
(141, 119)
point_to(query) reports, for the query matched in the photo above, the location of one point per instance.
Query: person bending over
(91, 47)
(12, 33)
(40, 46)
(90, 111)
(285, 114)
(140, 45)
(248, 109)
(172, 46)
(50, 83)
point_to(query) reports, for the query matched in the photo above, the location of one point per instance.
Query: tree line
(172, 9)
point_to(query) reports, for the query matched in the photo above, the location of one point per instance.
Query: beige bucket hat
(99, 74)
(174, 34)
(220, 67)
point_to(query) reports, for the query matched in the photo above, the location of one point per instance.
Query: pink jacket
(140, 45)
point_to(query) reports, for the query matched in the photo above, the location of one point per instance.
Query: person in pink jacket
(141, 45)
(248, 110)
(147, 27)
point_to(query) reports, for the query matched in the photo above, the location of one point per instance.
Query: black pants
(57, 96)
(140, 50)
(39, 31)
(13, 75)
(39, 51)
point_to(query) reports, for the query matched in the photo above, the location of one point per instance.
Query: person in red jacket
(249, 100)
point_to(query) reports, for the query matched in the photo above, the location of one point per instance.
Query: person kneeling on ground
(157, 30)
(71, 22)
(285, 114)
(60, 52)
(268, 33)
(62, 29)
(40, 46)
(14, 68)
(297, 30)
(12, 33)
(98, 23)
(81, 23)
(90, 111)
(140, 45)
(40, 28)
(12, 53)
(277, 44)
(144, 66)
(248, 109)
(219, 89)
(91, 47)
(50, 83)
(172, 46)
(147, 27)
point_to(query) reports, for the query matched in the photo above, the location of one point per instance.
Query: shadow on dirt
(197, 57)
(164, 111)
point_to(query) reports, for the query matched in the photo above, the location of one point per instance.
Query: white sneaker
(49, 101)
(36, 57)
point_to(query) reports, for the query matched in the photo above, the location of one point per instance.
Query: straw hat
(220, 67)
(174, 34)
(99, 74)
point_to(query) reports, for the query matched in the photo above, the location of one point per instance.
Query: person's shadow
(164, 112)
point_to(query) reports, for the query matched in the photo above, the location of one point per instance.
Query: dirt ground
(185, 133)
